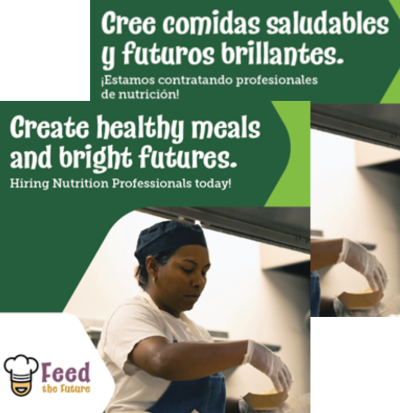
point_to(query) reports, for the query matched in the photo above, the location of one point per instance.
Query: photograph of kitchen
(355, 214)
(242, 341)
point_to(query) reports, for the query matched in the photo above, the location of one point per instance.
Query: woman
(161, 361)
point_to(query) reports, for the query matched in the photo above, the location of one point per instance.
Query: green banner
(62, 194)
(323, 52)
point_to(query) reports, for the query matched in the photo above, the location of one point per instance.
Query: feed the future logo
(51, 360)
(21, 369)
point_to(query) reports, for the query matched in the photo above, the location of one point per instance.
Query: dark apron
(206, 395)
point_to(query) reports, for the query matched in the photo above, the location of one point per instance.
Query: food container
(363, 300)
(265, 401)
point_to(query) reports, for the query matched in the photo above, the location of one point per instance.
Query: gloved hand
(358, 258)
(263, 359)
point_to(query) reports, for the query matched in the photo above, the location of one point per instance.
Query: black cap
(166, 235)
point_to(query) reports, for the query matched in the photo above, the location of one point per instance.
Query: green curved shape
(392, 95)
(293, 189)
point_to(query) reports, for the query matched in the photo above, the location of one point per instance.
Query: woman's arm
(186, 361)
(325, 253)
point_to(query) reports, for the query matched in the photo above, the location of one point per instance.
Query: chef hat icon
(21, 369)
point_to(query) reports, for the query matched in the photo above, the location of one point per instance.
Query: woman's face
(180, 282)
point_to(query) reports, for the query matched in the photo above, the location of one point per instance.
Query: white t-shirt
(134, 320)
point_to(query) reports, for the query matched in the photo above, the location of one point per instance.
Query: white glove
(263, 359)
(358, 258)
